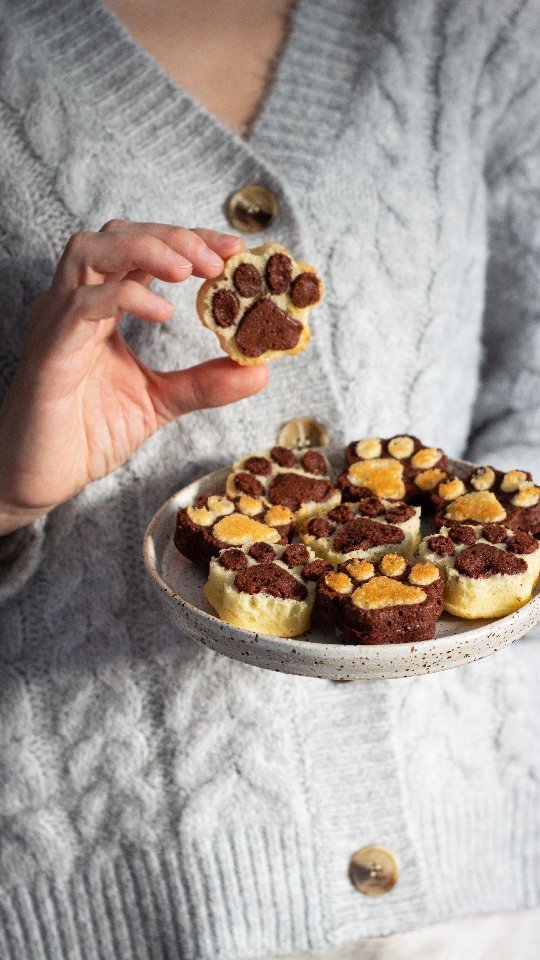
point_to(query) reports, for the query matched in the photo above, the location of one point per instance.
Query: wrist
(18, 508)
(12, 518)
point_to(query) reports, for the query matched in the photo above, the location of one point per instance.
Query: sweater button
(301, 433)
(373, 871)
(251, 209)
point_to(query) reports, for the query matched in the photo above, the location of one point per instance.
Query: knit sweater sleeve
(34, 225)
(506, 428)
(20, 553)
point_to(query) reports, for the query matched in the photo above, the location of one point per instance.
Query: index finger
(205, 249)
(225, 244)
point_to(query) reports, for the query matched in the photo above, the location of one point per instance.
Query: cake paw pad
(398, 468)
(270, 589)
(490, 570)
(390, 601)
(297, 480)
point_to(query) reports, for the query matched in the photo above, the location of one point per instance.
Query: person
(158, 800)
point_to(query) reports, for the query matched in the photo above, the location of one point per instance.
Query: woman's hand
(81, 402)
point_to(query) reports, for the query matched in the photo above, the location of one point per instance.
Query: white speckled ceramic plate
(316, 653)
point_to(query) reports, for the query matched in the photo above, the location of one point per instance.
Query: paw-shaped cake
(490, 570)
(488, 495)
(259, 306)
(387, 602)
(266, 588)
(365, 530)
(214, 523)
(399, 468)
(297, 480)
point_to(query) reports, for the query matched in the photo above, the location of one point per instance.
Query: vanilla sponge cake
(298, 480)
(490, 570)
(266, 588)
(365, 530)
(259, 307)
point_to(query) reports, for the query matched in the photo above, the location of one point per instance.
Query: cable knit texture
(158, 801)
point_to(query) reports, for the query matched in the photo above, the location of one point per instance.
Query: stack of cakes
(285, 541)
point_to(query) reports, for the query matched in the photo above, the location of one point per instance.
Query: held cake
(298, 480)
(399, 468)
(365, 530)
(214, 523)
(266, 588)
(490, 571)
(488, 495)
(259, 307)
(387, 602)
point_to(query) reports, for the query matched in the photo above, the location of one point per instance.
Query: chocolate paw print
(214, 523)
(488, 495)
(366, 530)
(385, 602)
(297, 480)
(259, 306)
(400, 468)
(490, 570)
(267, 588)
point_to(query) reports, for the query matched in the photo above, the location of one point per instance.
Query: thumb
(210, 384)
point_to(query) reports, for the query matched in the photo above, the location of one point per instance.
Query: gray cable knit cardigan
(158, 800)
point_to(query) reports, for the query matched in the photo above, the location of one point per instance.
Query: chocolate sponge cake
(366, 530)
(214, 523)
(267, 588)
(399, 468)
(299, 480)
(488, 495)
(490, 570)
(387, 602)
(259, 306)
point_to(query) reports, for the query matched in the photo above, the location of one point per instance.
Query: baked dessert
(259, 307)
(366, 530)
(490, 570)
(266, 588)
(362, 557)
(398, 468)
(298, 480)
(387, 602)
(487, 495)
(214, 523)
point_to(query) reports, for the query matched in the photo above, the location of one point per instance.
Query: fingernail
(213, 260)
(177, 260)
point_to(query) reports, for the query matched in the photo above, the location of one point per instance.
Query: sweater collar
(306, 96)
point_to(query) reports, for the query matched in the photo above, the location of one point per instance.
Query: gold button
(251, 209)
(373, 871)
(301, 433)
